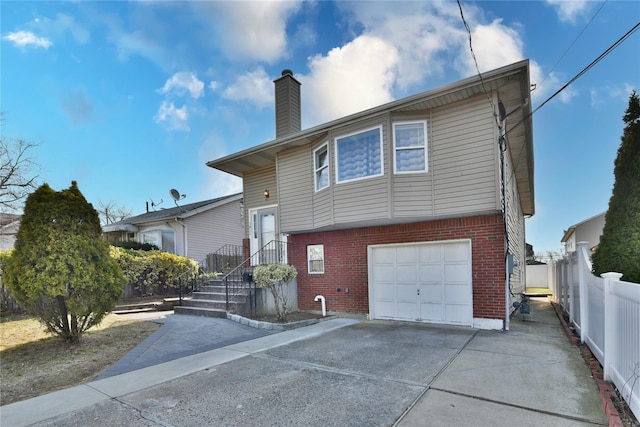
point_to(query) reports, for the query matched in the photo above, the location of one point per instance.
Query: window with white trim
(315, 259)
(321, 167)
(410, 147)
(359, 155)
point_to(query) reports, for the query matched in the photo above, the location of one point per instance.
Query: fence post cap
(611, 275)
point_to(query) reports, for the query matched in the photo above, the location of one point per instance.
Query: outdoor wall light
(266, 194)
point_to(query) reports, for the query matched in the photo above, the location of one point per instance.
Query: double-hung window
(321, 167)
(359, 155)
(315, 259)
(410, 147)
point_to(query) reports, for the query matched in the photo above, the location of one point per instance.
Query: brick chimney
(287, 104)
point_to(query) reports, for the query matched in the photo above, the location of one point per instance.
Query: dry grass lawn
(33, 362)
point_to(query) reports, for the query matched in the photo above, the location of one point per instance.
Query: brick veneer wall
(345, 264)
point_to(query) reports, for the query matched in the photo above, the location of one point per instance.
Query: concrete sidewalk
(345, 372)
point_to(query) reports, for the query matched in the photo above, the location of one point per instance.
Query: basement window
(315, 259)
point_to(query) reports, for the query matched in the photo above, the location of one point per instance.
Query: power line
(473, 54)
(576, 77)
(580, 74)
(574, 41)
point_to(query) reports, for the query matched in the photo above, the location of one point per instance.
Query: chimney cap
(287, 71)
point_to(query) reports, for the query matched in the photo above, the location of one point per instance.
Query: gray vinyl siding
(363, 199)
(462, 176)
(463, 148)
(296, 186)
(323, 208)
(254, 183)
(515, 233)
(210, 230)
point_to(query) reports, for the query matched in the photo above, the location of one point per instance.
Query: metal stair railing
(227, 258)
(240, 279)
(224, 259)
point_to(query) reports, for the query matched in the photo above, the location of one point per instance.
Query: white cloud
(494, 45)
(183, 82)
(27, 38)
(171, 117)
(602, 95)
(360, 75)
(213, 85)
(253, 31)
(426, 35)
(569, 11)
(215, 183)
(61, 24)
(255, 86)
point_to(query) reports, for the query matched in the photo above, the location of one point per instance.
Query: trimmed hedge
(153, 272)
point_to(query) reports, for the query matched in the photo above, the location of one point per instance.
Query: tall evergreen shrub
(60, 269)
(619, 248)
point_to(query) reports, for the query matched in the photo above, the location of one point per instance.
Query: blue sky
(131, 99)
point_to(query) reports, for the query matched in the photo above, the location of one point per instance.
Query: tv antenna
(154, 204)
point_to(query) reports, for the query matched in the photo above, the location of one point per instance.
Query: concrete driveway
(344, 372)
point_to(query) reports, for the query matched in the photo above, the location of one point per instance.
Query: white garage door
(427, 282)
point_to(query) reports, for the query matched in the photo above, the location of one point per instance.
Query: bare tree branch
(110, 212)
(17, 172)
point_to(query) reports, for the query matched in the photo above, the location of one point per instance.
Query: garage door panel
(456, 252)
(431, 273)
(384, 273)
(431, 293)
(386, 311)
(406, 292)
(406, 273)
(430, 254)
(384, 256)
(432, 312)
(456, 273)
(406, 255)
(407, 311)
(458, 294)
(386, 292)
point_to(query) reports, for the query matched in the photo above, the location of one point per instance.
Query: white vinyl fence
(606, 312)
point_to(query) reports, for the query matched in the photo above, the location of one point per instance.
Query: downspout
(184, 237)
(502, 144)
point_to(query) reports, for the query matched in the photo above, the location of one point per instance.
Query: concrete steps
(210, 301)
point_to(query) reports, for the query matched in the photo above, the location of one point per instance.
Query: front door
(267, 245)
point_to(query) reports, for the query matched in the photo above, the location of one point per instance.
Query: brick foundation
(345, 265)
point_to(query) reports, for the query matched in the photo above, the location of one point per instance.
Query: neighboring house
(194, 230)
(588, 230)
(9, 225)
(413, 210)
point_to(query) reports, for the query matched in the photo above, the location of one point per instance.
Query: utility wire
(577, 76)
(473, 54)
(581, 73)
(574, 41)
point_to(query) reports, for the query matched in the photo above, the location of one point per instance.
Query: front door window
(266, 241)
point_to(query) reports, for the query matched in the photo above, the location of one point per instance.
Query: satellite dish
(175, 194)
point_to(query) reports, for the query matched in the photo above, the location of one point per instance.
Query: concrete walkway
(345, 372)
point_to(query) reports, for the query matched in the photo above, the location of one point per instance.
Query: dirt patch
(291, 317)
(35, 363)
